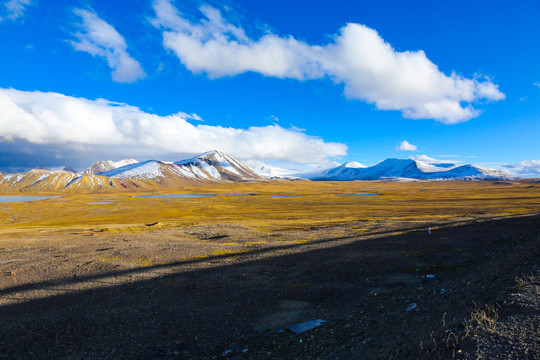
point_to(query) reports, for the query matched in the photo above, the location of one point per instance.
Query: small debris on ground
(305, 326)
(411, 307)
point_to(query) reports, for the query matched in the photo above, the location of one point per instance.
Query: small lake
(362, 195)
(19, 198)
(100, 202)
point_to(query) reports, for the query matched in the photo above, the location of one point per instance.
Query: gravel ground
(396, 293)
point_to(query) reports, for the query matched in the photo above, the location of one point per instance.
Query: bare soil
(230, 291)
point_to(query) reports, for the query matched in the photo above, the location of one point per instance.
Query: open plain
(434, 270)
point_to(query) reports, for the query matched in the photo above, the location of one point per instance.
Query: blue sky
(275, 81)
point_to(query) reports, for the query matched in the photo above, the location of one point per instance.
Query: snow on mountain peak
(107, 165)
(214, 165)
(121, 163)
(139, 170)
(354, 165)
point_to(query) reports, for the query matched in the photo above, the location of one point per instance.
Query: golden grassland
(319, 204)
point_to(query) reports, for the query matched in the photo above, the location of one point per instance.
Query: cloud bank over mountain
(527, 168)
(64, 124)
(357, 57)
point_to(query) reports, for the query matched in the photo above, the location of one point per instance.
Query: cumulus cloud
(14, 9)
(357, 57)
(406, 146)
(98, 38)
(65, 124)
(527, 168)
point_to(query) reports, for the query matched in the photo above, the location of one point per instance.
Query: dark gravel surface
(238, 307)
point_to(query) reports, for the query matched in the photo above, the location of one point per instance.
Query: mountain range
(408, 169)
(215, 166)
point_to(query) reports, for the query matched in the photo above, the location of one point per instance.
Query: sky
(296, 83)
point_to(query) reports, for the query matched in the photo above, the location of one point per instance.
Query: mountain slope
(207, 168)
(215, 165)
(102, 166)
(155, 172)
(347, 171)
(268, 171)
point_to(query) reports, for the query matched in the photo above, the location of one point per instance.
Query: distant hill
(129, 174)
(215, 167)
(410, 169)
(107, 165)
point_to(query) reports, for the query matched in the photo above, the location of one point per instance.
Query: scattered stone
(411, 307)
(306, 326)
(227, 352)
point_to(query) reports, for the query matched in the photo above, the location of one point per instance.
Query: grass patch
(109, 258)
(226, 252)
(318, 208)
(251, 243)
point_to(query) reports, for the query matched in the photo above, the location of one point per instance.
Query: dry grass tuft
(483, 319)
(528, 280)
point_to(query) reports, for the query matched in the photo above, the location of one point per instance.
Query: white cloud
(98, 38)
(14, 9)
(369, 68)
(406, 146)
(66, 124)
(187, 116)
(527, 168)
(431, 160)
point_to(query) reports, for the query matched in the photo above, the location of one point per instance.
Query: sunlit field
(269, 208)
(152, 267)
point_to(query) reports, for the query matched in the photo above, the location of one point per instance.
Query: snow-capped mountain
(347, 171)
(149, 169)
(64, 170)
(269, 171)
(210, 167)
(215, 165)
(107, 165)
(412, 169)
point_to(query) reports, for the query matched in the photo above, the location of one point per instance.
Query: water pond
(22, 198)
(100, 202)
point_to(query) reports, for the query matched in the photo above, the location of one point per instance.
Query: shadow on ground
(233, 305)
